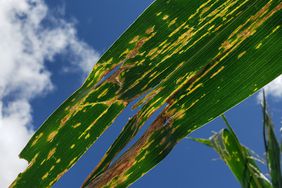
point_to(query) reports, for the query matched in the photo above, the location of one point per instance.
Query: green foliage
(272, 149)
(240, 160)
(196, 59)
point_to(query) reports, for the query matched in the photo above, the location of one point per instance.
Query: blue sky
(96, 25)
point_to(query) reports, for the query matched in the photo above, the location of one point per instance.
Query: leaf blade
(250, 75)
(272, 148)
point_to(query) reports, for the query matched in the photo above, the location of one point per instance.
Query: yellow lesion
(87, 136)
(250, 27)
(42, 162)
(52, 168)
(179, 44)
(51, 153)
(259, 45)
(177, 29)
(45, 176)
(72, 161)
(242, 54)
(172, 22)
(191, 90)
(179, 114)
(224, 13)
(159, 13)
(165, 17)
(220, 12)
(217, 72)
(103, 93)
(130, 54)
(152, 52)
(225, 139)
(134, 40)
(72, 111)
(203, 6)
(125, 52)
(32, 161)
(36, 139)
(52, 135)
(275, 29)
(76, 125)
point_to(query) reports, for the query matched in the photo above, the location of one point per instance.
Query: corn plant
(192, 59)
(241, 160)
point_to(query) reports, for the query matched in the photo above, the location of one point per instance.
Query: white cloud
(26, 43)
(273, 89)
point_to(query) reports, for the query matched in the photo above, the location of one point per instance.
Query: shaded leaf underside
(198, 58)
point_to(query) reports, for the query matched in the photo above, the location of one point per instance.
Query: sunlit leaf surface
(195, 59)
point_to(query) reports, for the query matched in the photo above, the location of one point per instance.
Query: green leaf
(196, 58)
(272, 148)
(206, 142)
(237, 158)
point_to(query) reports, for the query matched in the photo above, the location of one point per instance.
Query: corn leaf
(189, 110)
(195, 58)
(238, 159)
(272, 148)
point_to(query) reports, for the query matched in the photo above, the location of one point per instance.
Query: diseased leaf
(196, 58)
(237, 158)
(211, 93)
(272, 148)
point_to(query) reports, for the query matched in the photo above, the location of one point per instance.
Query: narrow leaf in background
(237, 157)
(272, 148)
(240, 159)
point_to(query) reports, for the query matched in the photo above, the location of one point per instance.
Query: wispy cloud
(273, 89)
(30, 35)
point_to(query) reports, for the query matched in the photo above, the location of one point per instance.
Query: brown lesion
(250, 26)
(150, 30)
(70, 113)
(51, 153)
(226, 45)
(135, 51)
(52, 135)
(135, 39)
(139, 43)
(126, 161)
